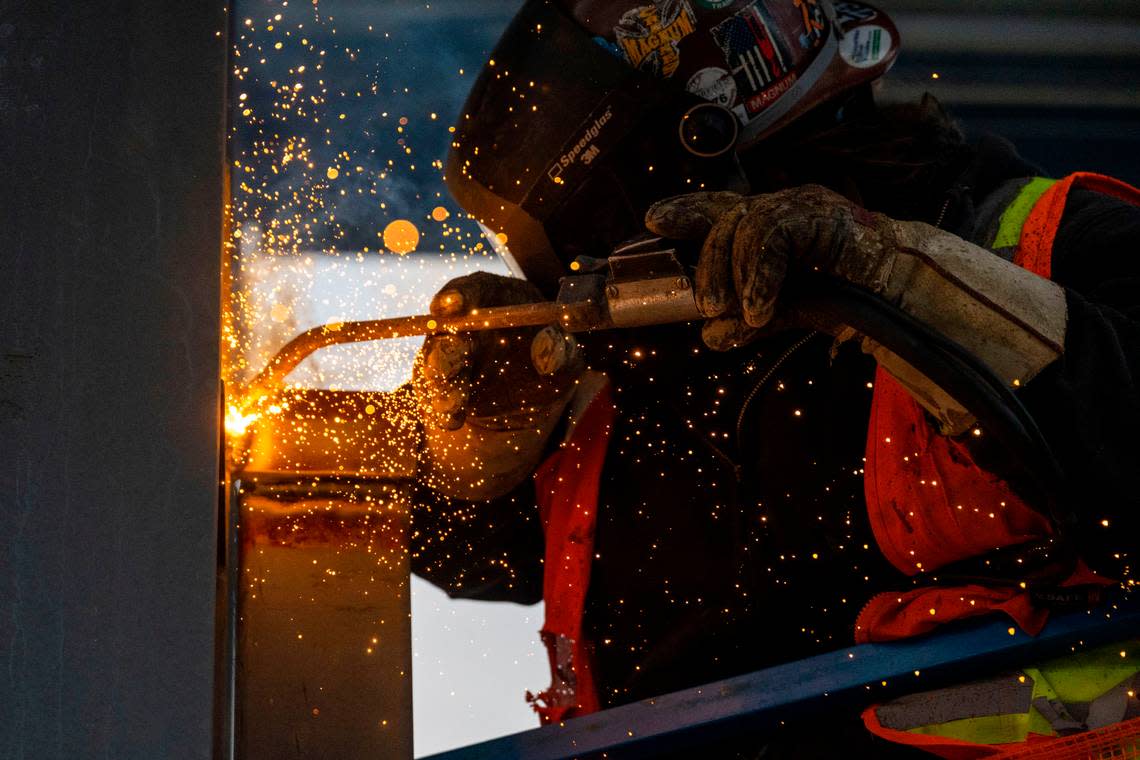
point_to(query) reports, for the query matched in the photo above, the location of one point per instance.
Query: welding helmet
(588, 111)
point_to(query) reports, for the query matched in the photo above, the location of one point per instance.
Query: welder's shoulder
(1097, 243)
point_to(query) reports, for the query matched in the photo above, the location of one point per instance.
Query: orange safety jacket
(566, 488)
(929, 505)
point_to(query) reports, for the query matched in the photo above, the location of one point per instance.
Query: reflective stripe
(1110, 707)
(1015, 214)
(1072, 694)
(1055, 712)
(1004, 694)
(985, 729)
(1076, 693)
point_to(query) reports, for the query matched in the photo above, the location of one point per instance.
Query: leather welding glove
(489, 400)
(1010, 318)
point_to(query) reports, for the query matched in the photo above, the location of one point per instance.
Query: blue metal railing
(844, 679)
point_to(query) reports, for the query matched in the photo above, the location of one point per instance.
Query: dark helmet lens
(708, 130)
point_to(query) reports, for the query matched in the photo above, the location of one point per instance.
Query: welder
(695, 501)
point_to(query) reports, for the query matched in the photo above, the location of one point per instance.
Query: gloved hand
(489, 400)
(1010, 318)
(751, 242)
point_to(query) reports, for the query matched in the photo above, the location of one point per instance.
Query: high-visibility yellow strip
(1084, 676)
(987, 729)
(1014, 216)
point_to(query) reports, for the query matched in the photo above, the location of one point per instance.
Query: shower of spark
(326, 181)
(337, 212)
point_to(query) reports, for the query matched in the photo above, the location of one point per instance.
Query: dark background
(1056, 79)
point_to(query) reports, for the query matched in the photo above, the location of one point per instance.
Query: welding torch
(642, 283)
(648, 282)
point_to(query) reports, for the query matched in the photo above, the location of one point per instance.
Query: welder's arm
(1011, 319)
(488, 413)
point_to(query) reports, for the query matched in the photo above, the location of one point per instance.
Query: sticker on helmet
(849, 13)
(865, 46)
(757, 58)
(714, 85)
(715, 4)
(813, 22)
(648, 35)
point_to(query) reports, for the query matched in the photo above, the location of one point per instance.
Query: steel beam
(111, 156)
(317, 657)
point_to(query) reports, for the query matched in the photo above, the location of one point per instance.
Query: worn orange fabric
(1035, 248)
(928, 502)
(566, 487)
(890, 616)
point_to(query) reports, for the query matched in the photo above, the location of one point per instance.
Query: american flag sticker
(756, 57)
(865, 46)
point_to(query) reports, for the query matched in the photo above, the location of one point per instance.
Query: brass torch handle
(574, 317)
(585, 302)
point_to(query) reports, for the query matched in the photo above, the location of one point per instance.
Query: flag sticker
(865, 46)
(756, 57)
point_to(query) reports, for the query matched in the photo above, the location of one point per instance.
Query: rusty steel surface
(318, 655)
(323, 633)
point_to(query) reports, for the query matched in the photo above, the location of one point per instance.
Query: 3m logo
(583, 148)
